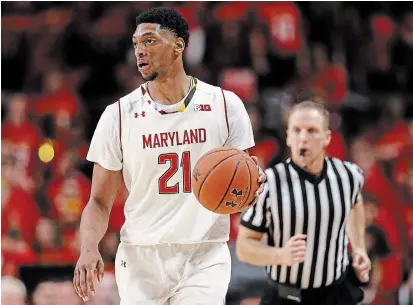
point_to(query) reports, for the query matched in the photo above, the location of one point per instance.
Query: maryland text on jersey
(175, 138)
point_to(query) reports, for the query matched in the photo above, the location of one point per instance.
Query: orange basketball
(224, 180)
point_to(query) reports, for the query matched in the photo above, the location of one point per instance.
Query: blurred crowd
(64, 62)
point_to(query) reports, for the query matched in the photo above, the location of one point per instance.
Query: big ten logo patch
(202, 107)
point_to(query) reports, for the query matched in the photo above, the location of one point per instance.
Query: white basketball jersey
(157, 152)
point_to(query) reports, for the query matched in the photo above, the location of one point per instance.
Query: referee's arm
(356, 227)
(254, 224)
(356, 224)
(250, 249)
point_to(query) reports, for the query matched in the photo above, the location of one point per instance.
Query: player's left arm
(240, 134)
(356, 228)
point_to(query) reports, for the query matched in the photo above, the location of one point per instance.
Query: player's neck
(170, 90)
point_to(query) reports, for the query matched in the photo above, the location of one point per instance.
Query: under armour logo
(236, 194)
(123, 263)
(142, 114)
(230, 203)
(196, 174)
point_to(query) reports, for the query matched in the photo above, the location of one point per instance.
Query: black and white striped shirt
(296, 202)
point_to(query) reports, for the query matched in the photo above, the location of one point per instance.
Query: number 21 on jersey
(173, 160)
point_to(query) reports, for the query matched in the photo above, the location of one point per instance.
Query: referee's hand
(361, 265)
(294, 250)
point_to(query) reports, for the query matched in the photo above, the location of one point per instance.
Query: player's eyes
(146, 42)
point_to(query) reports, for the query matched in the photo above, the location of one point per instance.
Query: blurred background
(62, 63)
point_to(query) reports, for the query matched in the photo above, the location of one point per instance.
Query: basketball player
(172, 250)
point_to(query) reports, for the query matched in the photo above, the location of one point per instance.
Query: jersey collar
(185, 104)
(310, 177)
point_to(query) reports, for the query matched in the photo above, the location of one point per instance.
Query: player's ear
(179, 46)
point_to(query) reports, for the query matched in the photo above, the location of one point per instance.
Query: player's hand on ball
(261, 179)
(294, 250)
(89, 265)
(361, 265)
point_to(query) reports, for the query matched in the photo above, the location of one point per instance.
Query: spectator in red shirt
(393, 135)
(19, 217)
(58, 101)
(48, 246)
(387, 267)
(20, 213)
(21, 138)
(62, 105)
(68, 193)
(284, 23)
(329, 79)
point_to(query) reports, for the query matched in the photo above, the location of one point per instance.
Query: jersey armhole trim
(225, 108)
(120, 125)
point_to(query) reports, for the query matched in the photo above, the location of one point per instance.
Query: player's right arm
(93, 226)
(95, 216)
(105, 152)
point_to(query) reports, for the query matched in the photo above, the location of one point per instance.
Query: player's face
(307, 130)
(154, 50)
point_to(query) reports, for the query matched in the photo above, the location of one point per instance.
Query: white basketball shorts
(173, 274)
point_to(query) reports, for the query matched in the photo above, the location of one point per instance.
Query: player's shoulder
(133, 97)
(215, 91)
(205, 88)
(125, 102)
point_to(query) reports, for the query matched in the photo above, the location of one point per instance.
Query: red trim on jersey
(120, 125)
(143, 90)
(225, 106)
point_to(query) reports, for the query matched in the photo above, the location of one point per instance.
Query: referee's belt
(294, 293)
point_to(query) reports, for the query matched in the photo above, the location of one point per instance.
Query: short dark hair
(313, 105)
(168, 19)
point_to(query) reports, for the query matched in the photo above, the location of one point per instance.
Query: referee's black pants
(345, 291)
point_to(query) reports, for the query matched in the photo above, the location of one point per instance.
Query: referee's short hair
(313, 105)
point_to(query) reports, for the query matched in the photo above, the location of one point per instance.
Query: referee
(310, 209)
